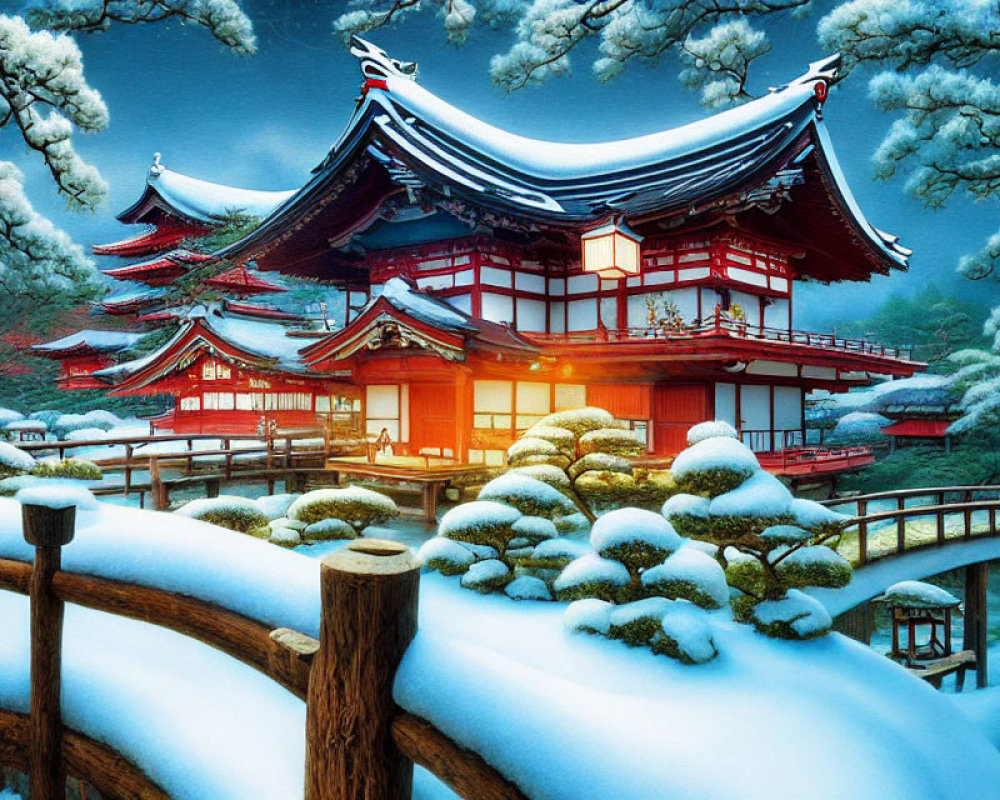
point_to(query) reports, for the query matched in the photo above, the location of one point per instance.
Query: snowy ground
(568, 715)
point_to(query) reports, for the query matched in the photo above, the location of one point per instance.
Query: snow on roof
(268, 339)
(422, 306)
(101, 341)
(203, 201)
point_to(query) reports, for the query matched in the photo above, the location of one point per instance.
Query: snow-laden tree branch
(547, 31)
(223, 18)
(40, 266)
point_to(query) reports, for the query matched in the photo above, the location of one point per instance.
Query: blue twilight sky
(264, 121)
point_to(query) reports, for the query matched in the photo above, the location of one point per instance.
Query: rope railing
(368, 618)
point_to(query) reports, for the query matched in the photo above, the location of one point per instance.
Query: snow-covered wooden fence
(358, 742)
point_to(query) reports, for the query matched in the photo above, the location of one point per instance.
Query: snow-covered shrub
(817, 565)
(794, 616)
(46, 415)
(359, 507)
(527, 587)
(534, 529)
(546, 473)
(614, 441)
(688, 513)
(711, 430)
(563, 439)
(918, 594)
(487, 576)
(589, 615)
(8, 415)
(529, 496)
(685, 635)
(77, 468)
(530, 447)
(636, 623)
(65, 423)
(600, 462)
(768, 543)
(14, 461)
(592, 576)
(285, 537)
(603, 490)
(327, 530)
(273, 506)
(227, 511)
(553, 554)
(481, 522)
(637, 538)
(713, 466)
(689, 575)
(859, 427)
(446, 556)
(85, 435)
(579, 420)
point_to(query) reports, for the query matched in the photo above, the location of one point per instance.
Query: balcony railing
(720, 325)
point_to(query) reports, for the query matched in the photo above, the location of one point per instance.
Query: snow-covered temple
(490, 279)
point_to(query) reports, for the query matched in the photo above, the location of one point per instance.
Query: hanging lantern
(612, 251)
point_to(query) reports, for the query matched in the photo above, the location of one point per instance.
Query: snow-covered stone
(325, 530)
(229, 511)
(273, 506)
(285, 537)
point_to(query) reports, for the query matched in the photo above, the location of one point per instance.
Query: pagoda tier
(158, 239)
(241, 282)
(131, 302)
(160, 271)
(180, 208)
(84, 352)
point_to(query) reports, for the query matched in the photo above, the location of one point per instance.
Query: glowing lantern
(612, 251)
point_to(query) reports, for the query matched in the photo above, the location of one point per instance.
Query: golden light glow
(612, 251)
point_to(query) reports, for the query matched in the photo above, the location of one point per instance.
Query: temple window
(493, 404)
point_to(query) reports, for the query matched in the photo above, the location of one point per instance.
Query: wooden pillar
(976, 623)
(856, 623)
(48, 529)
(158, 490)
(213, 486)
(369, 616)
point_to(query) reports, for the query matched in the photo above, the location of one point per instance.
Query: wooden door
(432, 417)
(675, 409)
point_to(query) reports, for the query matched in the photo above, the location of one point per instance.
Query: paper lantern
(612, 251)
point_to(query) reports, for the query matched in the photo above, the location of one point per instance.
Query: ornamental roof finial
(821, 75)
(376, 65)
(155, 168)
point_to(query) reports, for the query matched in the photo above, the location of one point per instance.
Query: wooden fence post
(158, 490)
(976, 624)
(48, 529)
(369, 616)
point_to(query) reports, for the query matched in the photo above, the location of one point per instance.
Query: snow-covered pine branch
(718, 63)
(223, 18)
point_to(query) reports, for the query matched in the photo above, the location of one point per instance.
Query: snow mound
(591, 570)
(63, 495)
(327, 529)
(710, 430)
(918, 594)
(531, 497)
(485, 576)
(479, 516)
(8, 415)
(446, 555)
(223, 504)
(527, 587)
(86, 435)
(579, 420)
(560, 548)
(33, 425)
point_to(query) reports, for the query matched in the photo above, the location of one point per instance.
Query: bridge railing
(905, 540)
(348, 673)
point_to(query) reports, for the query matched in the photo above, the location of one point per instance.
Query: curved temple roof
(735, 156)
(196, 200)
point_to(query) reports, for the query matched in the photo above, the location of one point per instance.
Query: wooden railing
(722, 324)
(358, 742)
(940, 509)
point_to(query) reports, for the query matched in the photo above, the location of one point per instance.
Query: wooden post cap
(373, 557)
(48, 527)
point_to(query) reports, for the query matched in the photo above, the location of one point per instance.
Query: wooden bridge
(912, 534)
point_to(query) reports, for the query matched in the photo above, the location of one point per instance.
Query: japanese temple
(491, 279)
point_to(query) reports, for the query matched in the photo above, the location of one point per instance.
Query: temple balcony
(786, 453)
